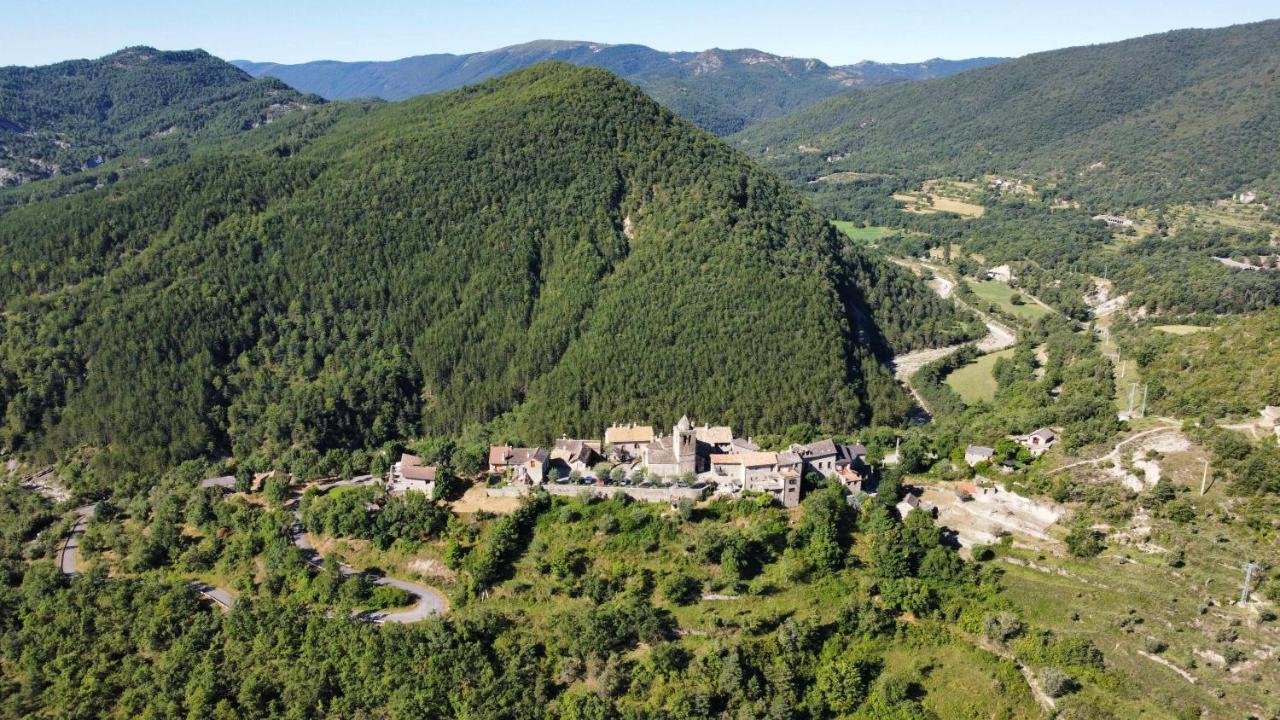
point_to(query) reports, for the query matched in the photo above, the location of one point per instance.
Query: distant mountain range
(721, 90)
(1183, 115)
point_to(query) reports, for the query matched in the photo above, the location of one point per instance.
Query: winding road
(428, 601)
(999, 336)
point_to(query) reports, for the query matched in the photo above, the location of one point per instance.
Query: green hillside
(1184, 115)
(135, 107)
(551, 245)
(1228, 370)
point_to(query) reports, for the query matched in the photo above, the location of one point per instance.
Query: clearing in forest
(976, 382)
(855, 232)
(1001, 295)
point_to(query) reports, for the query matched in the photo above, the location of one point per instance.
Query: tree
(276, 490)
(1083, 541)
(680, 588)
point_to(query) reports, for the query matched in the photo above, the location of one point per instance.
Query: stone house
(978, 454)
(675, 454)
(719, 438)
(1040, 441)
(575, 455)
(410, 475)
(526, 466)
(627, 441)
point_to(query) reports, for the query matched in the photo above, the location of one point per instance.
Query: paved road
(69, 558)
(226, 481)
(428, 601)
(221, 596)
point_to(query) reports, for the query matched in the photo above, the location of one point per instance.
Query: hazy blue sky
(35, 32)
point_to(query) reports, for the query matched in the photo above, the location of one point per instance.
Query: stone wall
(655, 494)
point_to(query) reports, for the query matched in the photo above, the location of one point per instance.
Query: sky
(37, 32)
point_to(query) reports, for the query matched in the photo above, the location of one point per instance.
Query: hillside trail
(1043, 698)
(999, 336)
(1167, 425)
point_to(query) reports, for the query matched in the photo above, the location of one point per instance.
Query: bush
(1083, 541)
(1003, 627)
(1056, 682)
(680, 588)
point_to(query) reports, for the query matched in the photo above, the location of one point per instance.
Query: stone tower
(684, 445)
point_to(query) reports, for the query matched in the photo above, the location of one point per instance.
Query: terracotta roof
(660, 456)
(726, 459)
(498, 454)
(411, 468)
(715, 435)
(575, 450)
(521, 456)
(849, 474)
(628, 434)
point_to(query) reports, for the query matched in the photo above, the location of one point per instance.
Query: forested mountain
(139, 106)
(1184, 115)
(721, 90)
(552, 245)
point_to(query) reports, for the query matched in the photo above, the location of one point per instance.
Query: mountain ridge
(750, 85)
(138, 102)
(1182, 115)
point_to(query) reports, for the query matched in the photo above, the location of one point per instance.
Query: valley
(496, 386)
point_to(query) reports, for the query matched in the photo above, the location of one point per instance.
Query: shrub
(1083, 541)
(1003, 627)
(681, 588)
(1056, 682)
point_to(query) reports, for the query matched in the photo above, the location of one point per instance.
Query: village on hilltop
(637, 461)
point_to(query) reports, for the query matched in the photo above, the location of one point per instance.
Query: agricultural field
(1001, 295)
(950, 196)
(857, 232)
(974, 382)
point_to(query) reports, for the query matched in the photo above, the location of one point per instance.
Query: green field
(1001, 295)
(974, 382)
(856, 232)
